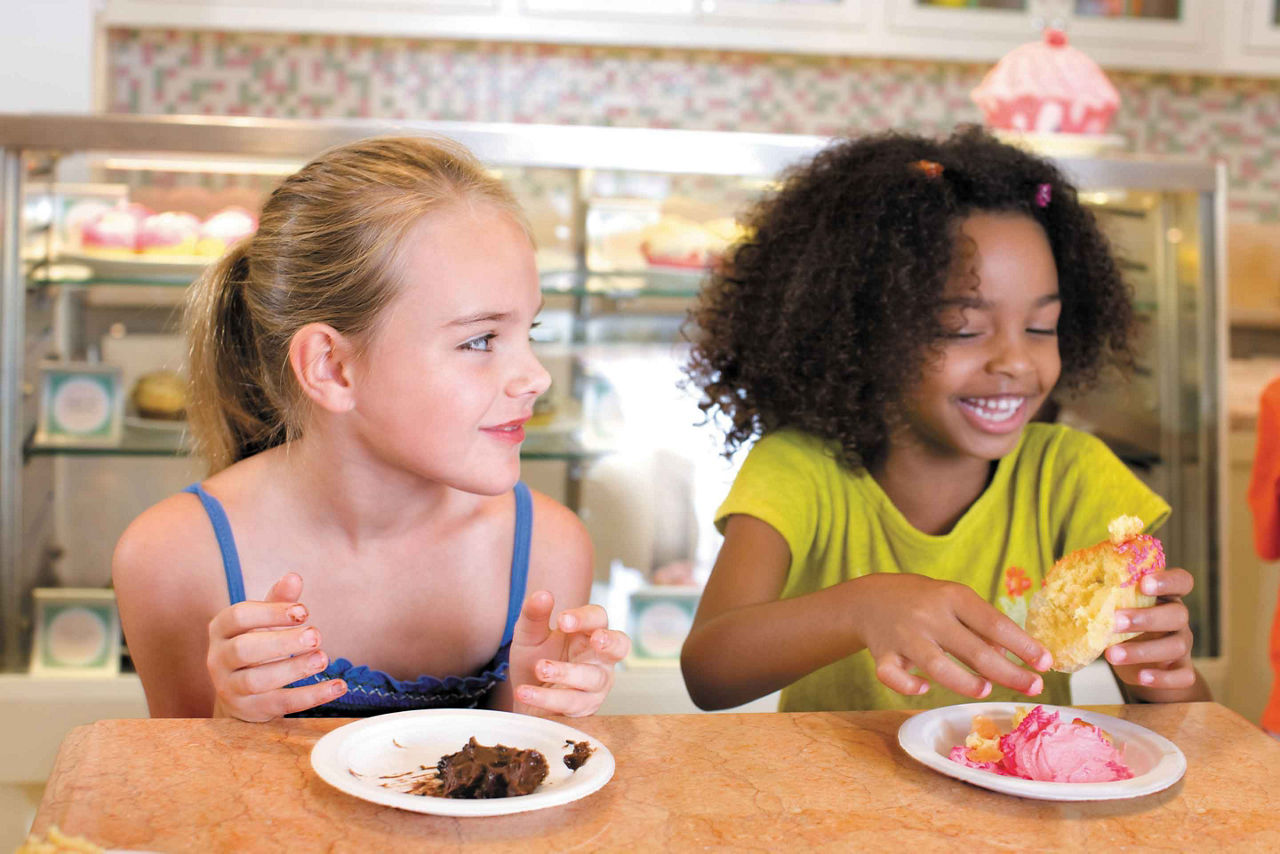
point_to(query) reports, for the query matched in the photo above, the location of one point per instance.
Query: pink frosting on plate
(1044, 748)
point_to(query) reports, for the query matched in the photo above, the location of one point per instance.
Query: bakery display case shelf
(613, 284)
(625, 284)
(173, 442)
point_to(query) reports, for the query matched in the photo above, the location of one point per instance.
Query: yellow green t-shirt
(1054, 493)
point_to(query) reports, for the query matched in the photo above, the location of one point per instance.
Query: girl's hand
(1160, 658)
(910, 621)
(256, 648)
(567, 670)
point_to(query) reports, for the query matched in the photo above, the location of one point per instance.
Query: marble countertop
(683, 782)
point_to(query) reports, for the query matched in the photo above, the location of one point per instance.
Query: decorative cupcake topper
(1047, 86)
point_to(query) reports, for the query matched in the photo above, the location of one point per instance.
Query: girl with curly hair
(902, 310)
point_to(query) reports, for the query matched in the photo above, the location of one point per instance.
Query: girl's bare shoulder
(164, 544)
(560, 554)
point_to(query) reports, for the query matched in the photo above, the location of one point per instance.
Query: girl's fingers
(590, 678)
(283, 701)
(1159, 677)
(892, 670)
(1162, 617)
(979, 655)
(610, 646)
(947, 672)
(1170, 582)
(267, 677)
(247, 616)
(1161, 649)
(585, 619)
(995, 628)
(534, 626)
(287, 589)
(559, 701)
(253, 648)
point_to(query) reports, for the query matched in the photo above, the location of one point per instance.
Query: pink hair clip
(1044, 193)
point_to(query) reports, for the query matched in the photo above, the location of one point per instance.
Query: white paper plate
(353, 757)
(1156, 762)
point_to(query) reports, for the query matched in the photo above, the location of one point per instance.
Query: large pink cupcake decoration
(1047, 87)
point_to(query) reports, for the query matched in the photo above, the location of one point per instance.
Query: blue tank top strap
(226, 541)
(519, 558)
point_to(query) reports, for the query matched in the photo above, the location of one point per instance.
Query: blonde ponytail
(325, 252)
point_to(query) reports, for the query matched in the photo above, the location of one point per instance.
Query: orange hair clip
(929, 168)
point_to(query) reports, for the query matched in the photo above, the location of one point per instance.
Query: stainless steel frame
(579, 148)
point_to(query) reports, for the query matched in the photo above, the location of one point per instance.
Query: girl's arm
(165, 595)
(198, 657)
(746, 643)
(567, 669)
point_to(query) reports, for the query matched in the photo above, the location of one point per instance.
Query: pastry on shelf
(114, 232)
(675, 241)
(169, 233)
(160, 395)
(224, 228)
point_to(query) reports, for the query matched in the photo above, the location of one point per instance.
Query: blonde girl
(360, 375)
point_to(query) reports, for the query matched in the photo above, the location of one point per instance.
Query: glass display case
(626, 222)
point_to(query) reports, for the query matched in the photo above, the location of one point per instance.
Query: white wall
(47, 56)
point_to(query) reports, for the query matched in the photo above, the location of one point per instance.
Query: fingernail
(1045, 661)
(1146, 677)
(339, 688)
(1122, 622)
(1150, 586)
(297, 613)
(986, 689)
(525, 693)
(568, 622)
(546, 671)
(310, 638)
(924, 688)
(318, 660)
(1118, 655)
(1036, 687)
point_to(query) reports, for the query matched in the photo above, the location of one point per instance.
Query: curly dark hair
(829, 311)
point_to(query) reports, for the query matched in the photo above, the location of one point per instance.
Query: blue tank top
(372, 692)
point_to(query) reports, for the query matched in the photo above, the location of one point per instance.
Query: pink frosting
(1146, 555)
(229, 224)
(171, 228)
(1044, 748)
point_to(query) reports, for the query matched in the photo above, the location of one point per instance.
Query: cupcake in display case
(1047, 87)
(224, 228)
(169, 233)
(114, 231)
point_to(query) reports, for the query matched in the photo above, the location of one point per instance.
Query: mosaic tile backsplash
(301, 76)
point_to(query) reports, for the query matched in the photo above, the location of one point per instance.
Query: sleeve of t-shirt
(1091, 487)
(1264, 477)
(776, 485)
